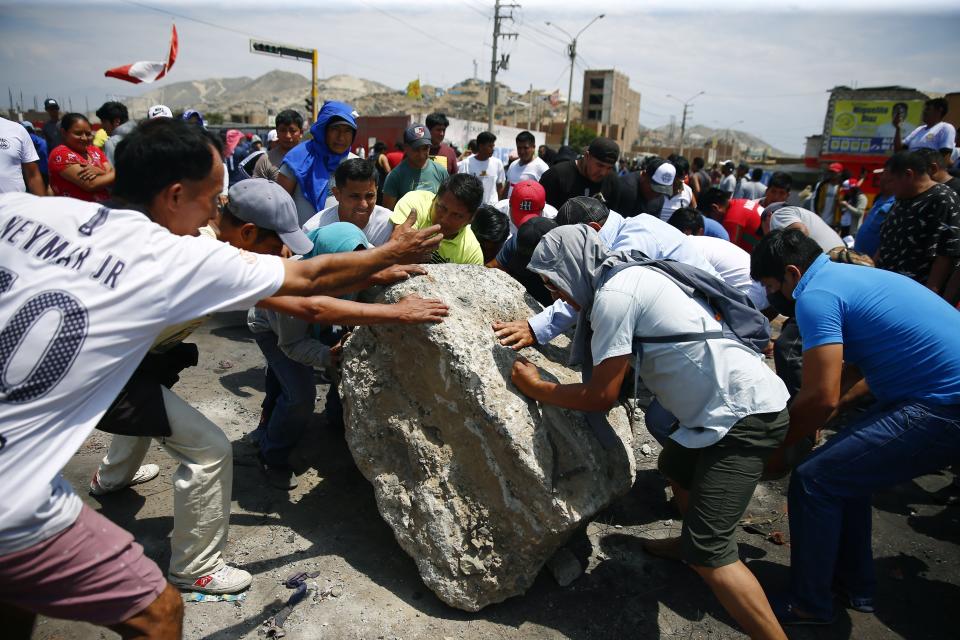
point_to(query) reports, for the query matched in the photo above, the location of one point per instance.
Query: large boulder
(479, 484)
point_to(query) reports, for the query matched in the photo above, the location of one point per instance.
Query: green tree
(214, 117)
(581, 136)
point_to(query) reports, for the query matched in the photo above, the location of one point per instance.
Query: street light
(572, 51)
(726, 129)
(683, 122)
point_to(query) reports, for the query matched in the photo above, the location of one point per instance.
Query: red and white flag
(144, 71)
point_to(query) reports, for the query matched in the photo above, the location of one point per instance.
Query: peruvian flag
(146, 71)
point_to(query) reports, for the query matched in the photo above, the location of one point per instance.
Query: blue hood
(312, 162)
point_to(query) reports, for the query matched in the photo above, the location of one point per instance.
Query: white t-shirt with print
(16, 148)
(490, 172)
(707, 384)
(940, 136)
(85, 291)
(517, 172)
(378, 227)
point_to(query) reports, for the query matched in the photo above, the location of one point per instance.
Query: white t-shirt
(707, 384)
(822, 233)
(733, 265)
(378, 227)
(728, 183)
(940, 136)
(531, 171)
(670, 205)
(549, 211)
(16, 148)
(490, 172)
(85, 295)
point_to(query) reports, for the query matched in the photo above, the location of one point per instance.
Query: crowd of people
(669, 274)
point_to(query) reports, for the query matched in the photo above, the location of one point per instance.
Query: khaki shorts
(721, 479)
(92, 571)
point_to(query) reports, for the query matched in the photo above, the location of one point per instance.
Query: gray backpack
(741, 321)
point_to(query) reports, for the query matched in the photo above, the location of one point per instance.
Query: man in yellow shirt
(453, 208)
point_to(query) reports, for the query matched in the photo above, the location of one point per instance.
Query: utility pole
(683, 128)
(686, 111)
(475, 70)
(495, 63)
(530, 116)
(572, 52)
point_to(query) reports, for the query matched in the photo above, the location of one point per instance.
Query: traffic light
(263, 47)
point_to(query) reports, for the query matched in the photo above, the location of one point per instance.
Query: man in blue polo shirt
(863, 330)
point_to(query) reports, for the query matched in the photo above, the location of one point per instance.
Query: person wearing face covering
(730, 406)
(307, 169)
(865, 331)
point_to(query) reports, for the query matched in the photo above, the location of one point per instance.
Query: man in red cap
(825, 201)
(527, 200)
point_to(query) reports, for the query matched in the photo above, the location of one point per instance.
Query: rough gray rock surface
(479, 484)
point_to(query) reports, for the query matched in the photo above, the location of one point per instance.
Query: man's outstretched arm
(339, 273)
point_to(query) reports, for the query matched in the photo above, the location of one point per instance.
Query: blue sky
(771, 69)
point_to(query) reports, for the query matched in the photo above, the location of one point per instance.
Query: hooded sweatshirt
(312, 162)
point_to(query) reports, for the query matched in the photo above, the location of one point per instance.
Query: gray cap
(269, 206)
(416, 136)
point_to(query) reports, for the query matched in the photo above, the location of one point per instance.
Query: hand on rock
(412, 245)
(516, 334)
(397, 273)
(416, 310)
(525, 375)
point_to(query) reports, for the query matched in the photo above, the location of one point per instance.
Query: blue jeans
(289, 402)
(829, 496)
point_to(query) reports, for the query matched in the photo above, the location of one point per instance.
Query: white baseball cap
(159, 111)
(271, 136)
(662, 179)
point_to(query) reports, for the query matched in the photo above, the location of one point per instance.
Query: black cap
(50, 103)
(529, 235)
(604, 150)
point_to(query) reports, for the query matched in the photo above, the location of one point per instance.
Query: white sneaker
(146, 473)
(226, 579)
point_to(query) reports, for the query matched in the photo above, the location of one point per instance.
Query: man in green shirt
(453, 208)
(417, 172)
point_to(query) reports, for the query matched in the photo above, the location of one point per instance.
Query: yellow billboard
(866, 126)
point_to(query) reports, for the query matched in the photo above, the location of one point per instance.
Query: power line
(410, 25)
(473, 8)
(181, 16)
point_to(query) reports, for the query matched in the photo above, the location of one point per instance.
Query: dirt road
(330, 525)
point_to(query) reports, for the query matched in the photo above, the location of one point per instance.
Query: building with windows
(610, 106)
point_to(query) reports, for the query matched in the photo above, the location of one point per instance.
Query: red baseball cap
(526, 201)
(836, 167)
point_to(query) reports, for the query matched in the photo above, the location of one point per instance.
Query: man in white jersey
(261, 218)
(86, 290)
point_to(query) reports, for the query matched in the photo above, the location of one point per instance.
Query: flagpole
(313, 87)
